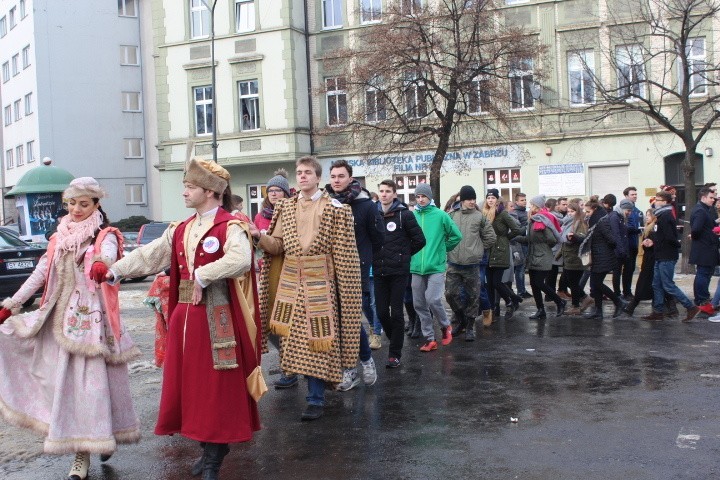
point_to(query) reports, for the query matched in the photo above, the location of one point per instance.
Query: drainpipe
(306, 32)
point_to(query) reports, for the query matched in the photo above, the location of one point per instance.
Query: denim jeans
(484, 297)
(701, 285)
(370, 310)
(663, 283)
(716, 298)
(365, 352)
(316, 391)
(520, 277)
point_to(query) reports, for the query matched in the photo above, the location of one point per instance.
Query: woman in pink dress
(64, 366)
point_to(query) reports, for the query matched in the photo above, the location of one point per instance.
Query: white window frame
(204, 106)
(6, 72)
(19, 156)
(375, 108)
(128, 54)
(30, 147)
(251, 101)
(9, 163)
(16, 106)
(256, 196)
(26, 57)
(370, 11)
(630, 70)
(524, 76)
(695, 60)
(415, 97)
(7, 115)
(199, 14)
(130, 191)
(28, 104)
(478, 96)
(581, 64)
(413, 7)
(515, 2)
(406, 185)
(334, 9)
(133, 147)
(127, 8)
(15, 62)
(3, 26)
(11, 17)
(130, 100)
(244, 16)
(23, 13)
(336, 100)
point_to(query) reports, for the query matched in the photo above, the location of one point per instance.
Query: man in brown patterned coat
(313, 272)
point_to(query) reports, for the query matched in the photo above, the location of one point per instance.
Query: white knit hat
(84, 186)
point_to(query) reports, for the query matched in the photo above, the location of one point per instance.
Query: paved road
(619, 399)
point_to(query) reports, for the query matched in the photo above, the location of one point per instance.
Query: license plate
(19, 265)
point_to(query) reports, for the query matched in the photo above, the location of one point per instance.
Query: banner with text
(561, 180)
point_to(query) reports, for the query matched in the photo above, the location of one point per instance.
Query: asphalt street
(564, 398)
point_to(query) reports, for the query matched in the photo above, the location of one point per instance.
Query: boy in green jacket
(429, 264)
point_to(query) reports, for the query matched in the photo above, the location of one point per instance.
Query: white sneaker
(714, 318)
(369, 372)
(349, 380)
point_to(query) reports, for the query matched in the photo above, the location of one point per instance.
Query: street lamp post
(212, 81)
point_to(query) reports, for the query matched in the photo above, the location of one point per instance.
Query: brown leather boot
(487, 318)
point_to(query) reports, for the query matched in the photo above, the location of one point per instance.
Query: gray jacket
(477, 235)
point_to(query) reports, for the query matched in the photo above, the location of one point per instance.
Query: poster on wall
(43, 210)
(561, 180)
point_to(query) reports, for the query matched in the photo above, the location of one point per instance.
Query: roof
(44, 178)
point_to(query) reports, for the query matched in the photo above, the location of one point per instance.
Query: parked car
(147, 233)
(130, 241)
(18, 259)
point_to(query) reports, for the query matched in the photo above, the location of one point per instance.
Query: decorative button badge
(391, 226)
(211, 244)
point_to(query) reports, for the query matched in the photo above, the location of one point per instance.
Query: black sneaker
(312, 412)
(392, 362)
(526, 295)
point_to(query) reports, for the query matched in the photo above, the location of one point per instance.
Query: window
(479, 96)
(375, 110)
(515, 2)
(332, 13)
(415, 96)
(249, 105)
(127, 8)
(9, 159)
(28, 104)
(129, 55)
(406, 185)
(8, 115)
(244, 15)
(411, 7)
(257, 194)
(133, 148)
(15, 60)
(19, 157)
(16, 104)
(131, 101)
(203, 110)
(581, 70)
(23, 13)
(26, 57)
(630, 71)
(135, 194)
(12, 18)
(199, 19)
(697, 68)
(30, 147)
(521, 84)
(336, 100)
(370, 11)
(3, 26)
(506, 180)
(6, 71)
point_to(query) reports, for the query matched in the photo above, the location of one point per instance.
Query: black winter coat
(704, 245)
(369, 233)
(403, 239)
(602, 243)
(620, 233)
(667, 242)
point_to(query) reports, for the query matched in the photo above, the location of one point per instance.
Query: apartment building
(72, 90)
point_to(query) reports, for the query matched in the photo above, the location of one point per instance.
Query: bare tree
(428, 73)
(659, 67)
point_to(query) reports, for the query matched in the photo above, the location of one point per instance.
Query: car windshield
(130, 236)
(7, 240)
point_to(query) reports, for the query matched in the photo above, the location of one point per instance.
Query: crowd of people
(305, 270)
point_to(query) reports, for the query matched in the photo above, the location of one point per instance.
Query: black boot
(630, 308)
(197, 467)
(412, 315)
(510, 310)
(561, 308)
(470, 329)
(619, 307)
(214, 454)
(539, 315)
(460, 325)
(417, 328)
(496, 310)
(594, 313)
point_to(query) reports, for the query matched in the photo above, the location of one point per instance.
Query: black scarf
(347, 195)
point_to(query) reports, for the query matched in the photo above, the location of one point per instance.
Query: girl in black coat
(604, 260)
